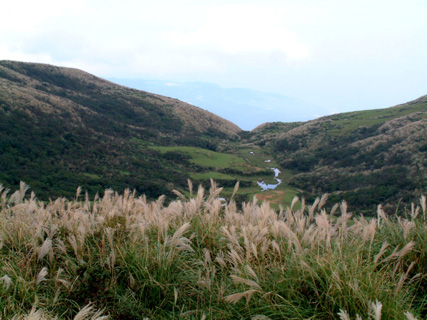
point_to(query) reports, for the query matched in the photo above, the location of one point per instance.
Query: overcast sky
(346, 55)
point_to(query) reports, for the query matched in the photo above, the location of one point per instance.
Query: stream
(265, 186)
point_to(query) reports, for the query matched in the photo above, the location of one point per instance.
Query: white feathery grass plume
(190, 187)
(234, 298)
(220, 260)
(322, 201)
(260, 317)
(214, 191)
(58, 279)
(72, 240)
(178, 241)
(302, 205)
(178, 233)
(407, 248)
(132, 281)
(111, 260)
(207, 254)
(4, 199)
(294, 201)
(200, 194)
(343, 208)
(109, 232)
(179, 194)
(414, 212)
(35, 315)
(410, 316)
(344, 315)
(369, 231)
(23, 188)
(423, 205)
(407, 227)
(334, 209)
(382, 251)
(403, 278)
(312, 209)
(276, 247)
(250, 283)
(42, 275)
(60, 246)
(6, 281)
(78, 191)
(381, 215)
(175, 295)
(45, 249)
(18, 196)
(251, 272)
(88, 313)
(236, 188)
(376, 310)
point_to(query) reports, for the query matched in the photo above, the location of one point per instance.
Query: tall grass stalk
(198, 258)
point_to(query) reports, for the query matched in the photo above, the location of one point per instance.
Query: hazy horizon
(340, 56)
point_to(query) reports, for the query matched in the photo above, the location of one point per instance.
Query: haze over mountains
(244, 107)
(61, 128)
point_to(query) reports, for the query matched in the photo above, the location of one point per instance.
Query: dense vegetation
(127, 256)
(123, 257)
(62, 127)
(363, 157)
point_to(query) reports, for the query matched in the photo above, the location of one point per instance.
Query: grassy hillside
(124, 257)
(363, 157)
(61, 127)
(66, 127)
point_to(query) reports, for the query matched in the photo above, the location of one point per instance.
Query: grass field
(345, 123)
(245, 164)
(207, 158)
(122, 257)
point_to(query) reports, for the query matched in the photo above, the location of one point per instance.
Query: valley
(61, 128)
(246, 165)
(131, 205)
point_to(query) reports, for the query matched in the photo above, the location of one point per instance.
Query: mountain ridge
(245, 107)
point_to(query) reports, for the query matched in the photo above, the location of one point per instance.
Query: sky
(344, 55)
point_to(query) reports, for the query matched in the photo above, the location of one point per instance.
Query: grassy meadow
(247, 164)
(122, 257)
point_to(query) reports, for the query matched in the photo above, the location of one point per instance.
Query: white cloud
(326, 50)
(7, 53)
(235, 29)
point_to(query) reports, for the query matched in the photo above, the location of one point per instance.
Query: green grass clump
(123, 257)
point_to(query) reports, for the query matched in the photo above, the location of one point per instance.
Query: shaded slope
(69, 127)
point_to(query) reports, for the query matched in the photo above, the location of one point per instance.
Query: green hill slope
(61, 128)
(364, 157)
(65, 127)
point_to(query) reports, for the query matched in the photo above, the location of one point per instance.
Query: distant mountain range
(244, 107)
